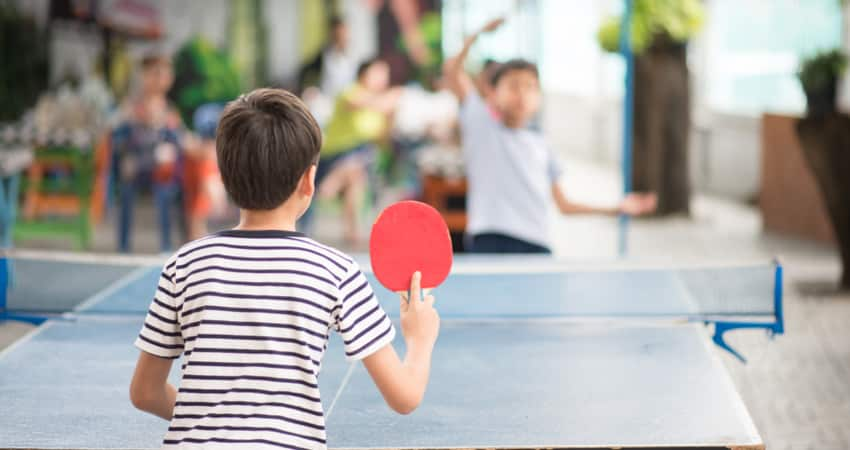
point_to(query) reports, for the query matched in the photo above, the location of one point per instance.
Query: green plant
(679, 20)
(23, 52)
(821, 70)
(204, 74)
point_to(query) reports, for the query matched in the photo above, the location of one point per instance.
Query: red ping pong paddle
(410, 236)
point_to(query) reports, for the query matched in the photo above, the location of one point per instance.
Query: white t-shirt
(250, 312)
(339, 70)
(510, 173)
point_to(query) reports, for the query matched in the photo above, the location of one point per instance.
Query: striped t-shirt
(251, 311)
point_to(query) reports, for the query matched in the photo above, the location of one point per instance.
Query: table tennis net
(504, 290)
(691, 293)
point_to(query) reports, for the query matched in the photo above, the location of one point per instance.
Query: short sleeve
(553, 166)
(160, 335)
(359, 318)
(474, 113)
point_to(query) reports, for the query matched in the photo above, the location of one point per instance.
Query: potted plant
(660, 30)
(675, 21)
(819, 75)
(825, 139)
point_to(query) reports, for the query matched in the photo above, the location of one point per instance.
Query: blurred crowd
(374, 134)
(388, 130)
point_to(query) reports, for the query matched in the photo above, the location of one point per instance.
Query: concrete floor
(797, 387)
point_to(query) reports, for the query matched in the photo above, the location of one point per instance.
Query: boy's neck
(511, 121)
(275, 219)
(153, 95)
(514, 124)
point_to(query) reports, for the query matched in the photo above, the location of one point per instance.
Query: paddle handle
(406, 294)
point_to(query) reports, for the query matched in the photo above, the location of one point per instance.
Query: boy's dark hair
(511, 66)
(265, 141)
(365, 65)
(154, 58)
(335, 21)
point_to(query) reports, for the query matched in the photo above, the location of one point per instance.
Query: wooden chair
(448, 196)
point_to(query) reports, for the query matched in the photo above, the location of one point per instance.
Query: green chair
(57, 195)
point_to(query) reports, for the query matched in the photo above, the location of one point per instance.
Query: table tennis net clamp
(777, 326)
(5, 283)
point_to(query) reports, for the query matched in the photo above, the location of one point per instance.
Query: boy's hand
(639, 204)
(493, 25)
(420, 322)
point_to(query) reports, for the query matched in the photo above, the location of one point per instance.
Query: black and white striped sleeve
(160, 335)
(359, 318)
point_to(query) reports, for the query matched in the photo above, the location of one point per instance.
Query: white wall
(77, 47)
(725, 150)
(282, 28)
(182, 20)
(363, 26)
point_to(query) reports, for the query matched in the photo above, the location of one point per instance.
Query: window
(572, 61)
(519, 37)
(754, 47)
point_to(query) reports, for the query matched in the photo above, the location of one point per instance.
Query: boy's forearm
(417, 365)
(401, 382)
(417, 360)
(579, 208)
(467, 47)
(162, 404)
(453, 69)
(455, 64)
(565, 206)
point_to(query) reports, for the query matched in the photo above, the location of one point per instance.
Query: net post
(628, 118)
(772, 328)
(779, 315)
(5, 278)
(4, 285)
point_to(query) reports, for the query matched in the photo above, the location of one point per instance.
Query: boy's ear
(307, 185)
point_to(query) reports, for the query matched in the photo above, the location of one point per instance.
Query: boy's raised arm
(403, 383)
(453, 71)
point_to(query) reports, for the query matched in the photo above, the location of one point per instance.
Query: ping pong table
(532, 354)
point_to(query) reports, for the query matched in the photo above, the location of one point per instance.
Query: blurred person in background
(204, 193)
(513, 175)
(146, 149)
(359, 122)
(329, 73)
(339, 66)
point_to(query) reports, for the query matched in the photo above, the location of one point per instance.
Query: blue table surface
(513, 381)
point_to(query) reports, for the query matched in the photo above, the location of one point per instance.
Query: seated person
(359, 122)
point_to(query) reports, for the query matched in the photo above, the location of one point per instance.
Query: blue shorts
(501, 243)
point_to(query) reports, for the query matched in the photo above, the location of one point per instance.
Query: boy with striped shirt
(250, 309)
